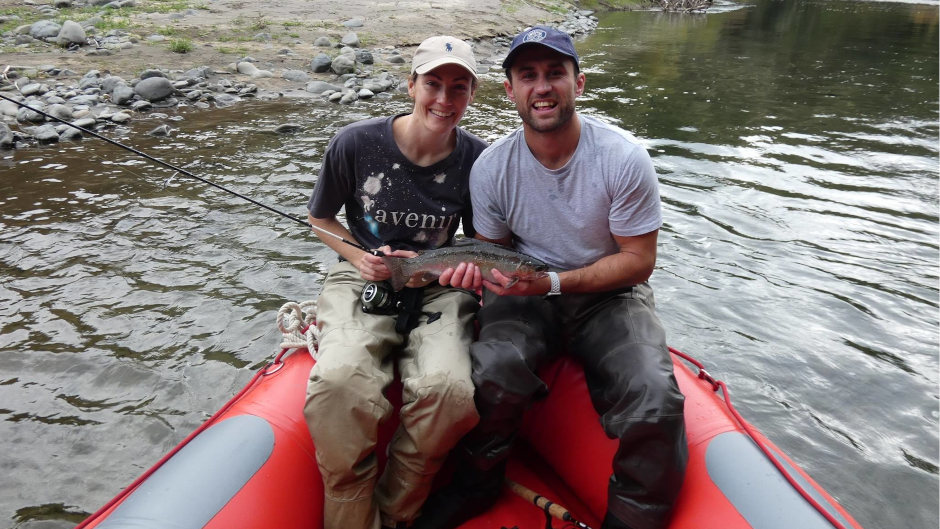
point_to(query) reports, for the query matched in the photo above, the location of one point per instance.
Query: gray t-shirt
(566, 216)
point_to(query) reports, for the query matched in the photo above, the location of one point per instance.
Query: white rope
(292, 318)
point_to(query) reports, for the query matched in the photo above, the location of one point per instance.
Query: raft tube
(252, 465)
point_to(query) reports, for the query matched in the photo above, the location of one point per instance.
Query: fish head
(531, 268)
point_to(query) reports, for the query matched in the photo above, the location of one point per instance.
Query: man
(582, 196)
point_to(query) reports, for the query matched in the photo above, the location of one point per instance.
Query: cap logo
(449, 47)
(536, 35)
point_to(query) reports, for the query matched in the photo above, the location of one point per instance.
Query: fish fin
(512, 281)
(394, 265)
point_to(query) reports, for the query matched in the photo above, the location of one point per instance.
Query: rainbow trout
(429, 264)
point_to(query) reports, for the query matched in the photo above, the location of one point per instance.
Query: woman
(403, 183)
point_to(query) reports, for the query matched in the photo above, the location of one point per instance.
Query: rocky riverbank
(362, 53)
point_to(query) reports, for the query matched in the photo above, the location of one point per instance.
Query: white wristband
(556, 284)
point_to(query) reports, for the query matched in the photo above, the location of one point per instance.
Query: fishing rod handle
(553, 509)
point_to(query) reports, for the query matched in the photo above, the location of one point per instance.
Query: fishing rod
(186, 173)
(550, 508)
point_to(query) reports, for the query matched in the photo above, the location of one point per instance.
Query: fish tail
(395, 267)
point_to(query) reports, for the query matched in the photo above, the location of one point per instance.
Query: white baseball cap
(440, 50)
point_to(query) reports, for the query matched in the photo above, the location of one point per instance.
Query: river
(797, 148)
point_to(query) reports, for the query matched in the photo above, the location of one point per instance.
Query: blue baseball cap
(546, 36)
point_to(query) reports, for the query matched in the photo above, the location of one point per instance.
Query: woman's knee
(440, 391)
(438, 411)
(342, 394)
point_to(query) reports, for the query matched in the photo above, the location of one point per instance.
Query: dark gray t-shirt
(388, 199)
(566, 216)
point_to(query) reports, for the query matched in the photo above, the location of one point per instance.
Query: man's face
(544, 85)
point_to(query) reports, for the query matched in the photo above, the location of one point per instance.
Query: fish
(430, 264)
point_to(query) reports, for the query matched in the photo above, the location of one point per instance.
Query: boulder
(318, 87)
(321, 63)
(71, 33)
(343, 64)
(154, 88)
(44, 29)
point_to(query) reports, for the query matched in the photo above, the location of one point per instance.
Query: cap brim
(428, 66)
(507, 62)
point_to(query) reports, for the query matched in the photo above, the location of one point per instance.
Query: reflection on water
(797, 149)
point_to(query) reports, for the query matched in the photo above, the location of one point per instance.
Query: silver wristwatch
(556, 284)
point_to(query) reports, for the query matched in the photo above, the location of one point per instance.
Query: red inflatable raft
(252, 465)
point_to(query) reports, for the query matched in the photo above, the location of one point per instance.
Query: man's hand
(504, 285)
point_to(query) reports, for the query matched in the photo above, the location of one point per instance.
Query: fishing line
(184, 172)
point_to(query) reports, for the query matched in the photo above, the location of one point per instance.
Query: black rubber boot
(612, 522)
(469, 493)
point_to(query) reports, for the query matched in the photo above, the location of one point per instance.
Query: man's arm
(632, 265)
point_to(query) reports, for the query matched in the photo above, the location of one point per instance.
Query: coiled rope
(297, 322)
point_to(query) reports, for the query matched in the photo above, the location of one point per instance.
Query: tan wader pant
(345, 403)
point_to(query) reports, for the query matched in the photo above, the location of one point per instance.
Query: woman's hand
(372, 267)
(466, 276)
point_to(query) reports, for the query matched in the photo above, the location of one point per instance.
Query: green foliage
(559, 7)
(167, 6)
(168, 31)
(26, 16)
(181, 46)
(238, 50)
(110, 23)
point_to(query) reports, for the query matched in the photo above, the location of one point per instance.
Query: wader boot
(611, 522)
(470, 492)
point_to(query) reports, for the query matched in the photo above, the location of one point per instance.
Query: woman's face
(441, 96)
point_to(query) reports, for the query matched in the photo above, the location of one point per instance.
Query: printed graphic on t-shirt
(386, 212)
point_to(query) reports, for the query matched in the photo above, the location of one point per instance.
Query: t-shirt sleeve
(489, 218)
(466, 219)
(635, 208)
(337, 177)
(475, 147)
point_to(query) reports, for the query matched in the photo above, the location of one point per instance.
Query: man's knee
(501, 373)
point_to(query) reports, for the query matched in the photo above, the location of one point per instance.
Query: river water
(797, 148)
